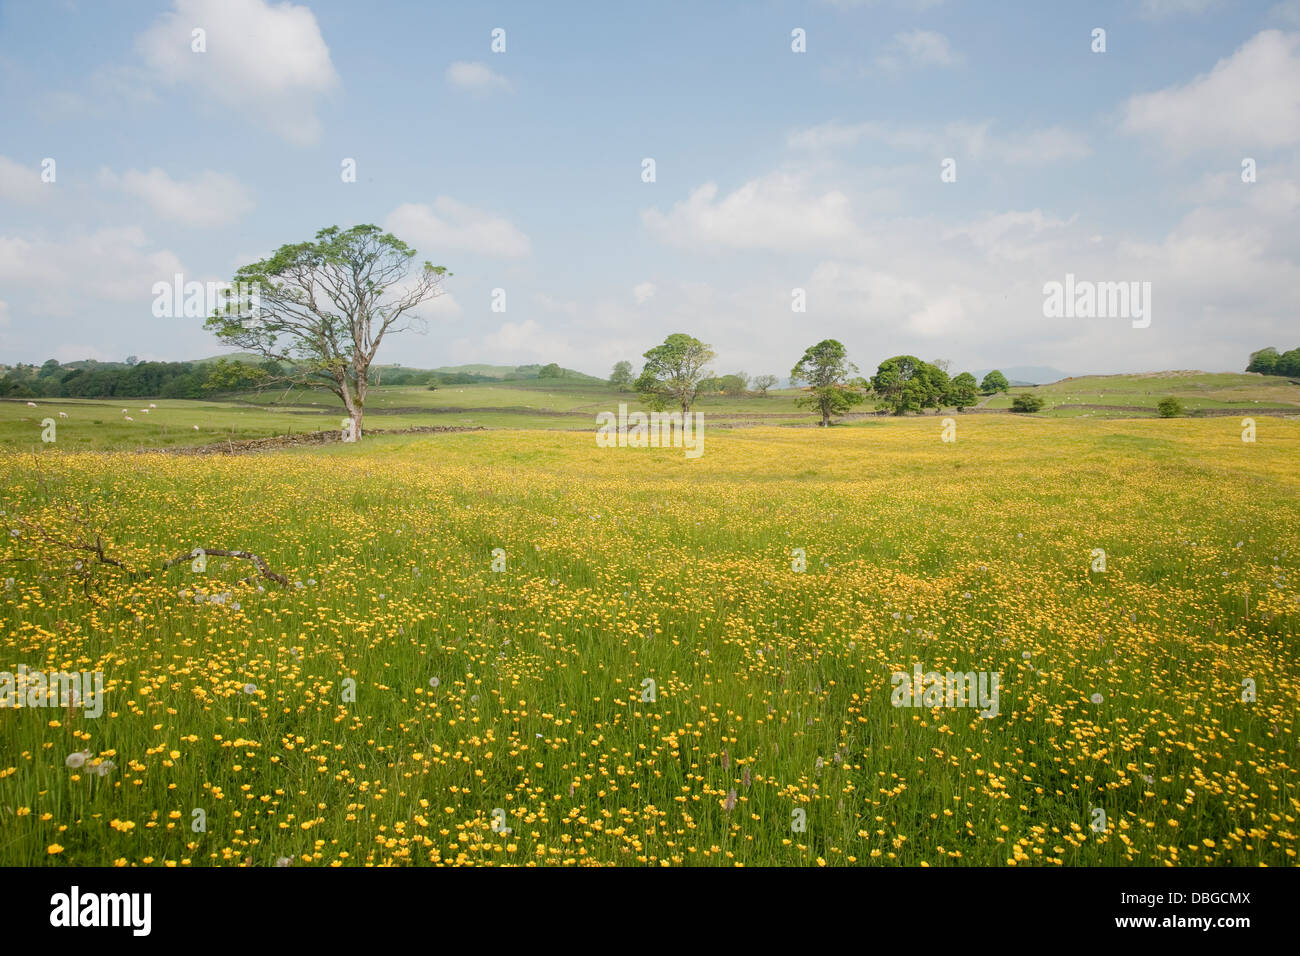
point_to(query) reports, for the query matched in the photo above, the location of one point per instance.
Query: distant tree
(826, 367)
(963, 391)
(322, 308)
(904, 383)
(734, 385)
(1288, 363)
(131, 360)
(227, 376)
(673, 371)
(994, 382)
(1169, 407)
(944, 364)
(1024, 402)
(550, 371)
(1264, 361)
(622, 375)
(762, 383)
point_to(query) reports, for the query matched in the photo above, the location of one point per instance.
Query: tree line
(132, 379)
(1271, 362)
(676, 373)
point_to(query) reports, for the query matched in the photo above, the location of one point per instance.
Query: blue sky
(775, 171)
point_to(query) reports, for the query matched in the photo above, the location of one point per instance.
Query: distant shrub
(1026, 403)
(1169, 407)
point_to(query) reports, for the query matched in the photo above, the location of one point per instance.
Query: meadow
(647, 677)
(137, 424)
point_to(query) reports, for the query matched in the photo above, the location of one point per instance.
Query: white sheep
(63, 414)
(31, 404)
(129, 418)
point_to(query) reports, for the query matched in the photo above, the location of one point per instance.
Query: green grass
(625, 565)
(1116, 396)
(100, 424)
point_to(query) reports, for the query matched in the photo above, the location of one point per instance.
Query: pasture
(514, 647)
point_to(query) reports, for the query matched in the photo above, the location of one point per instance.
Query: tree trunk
(826, 418)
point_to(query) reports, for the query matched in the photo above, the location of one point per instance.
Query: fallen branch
(87, 544)
(95, 547)
(263, 568)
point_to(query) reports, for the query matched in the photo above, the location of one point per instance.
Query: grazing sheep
(63, 414)
(31, 404)
(129, 418)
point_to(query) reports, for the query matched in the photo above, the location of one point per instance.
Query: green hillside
(1123, 396)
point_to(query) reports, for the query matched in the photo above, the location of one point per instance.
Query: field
(103, 425)
(402, 702)
(1111, 396)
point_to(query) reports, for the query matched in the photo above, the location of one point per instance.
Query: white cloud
(971, 140)
(477, 78)
(118, 264)
(1010, 236)
(266, 62)
(775, 212)
(643, 292)
(21, 183)
(208, 199)
(919, 48)
(444, 307)
(1250, 100)
(21, 261)
(941, 316)
(453, 227)
(1223, 281)
(527, 342)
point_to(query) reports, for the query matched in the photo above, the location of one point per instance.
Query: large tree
(1288, 363)
(826, 367)
(322, 308)
(963, 391)
(904, 383)
(1264, 361)
(673, 371)
(622, 375)
(994, 382)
